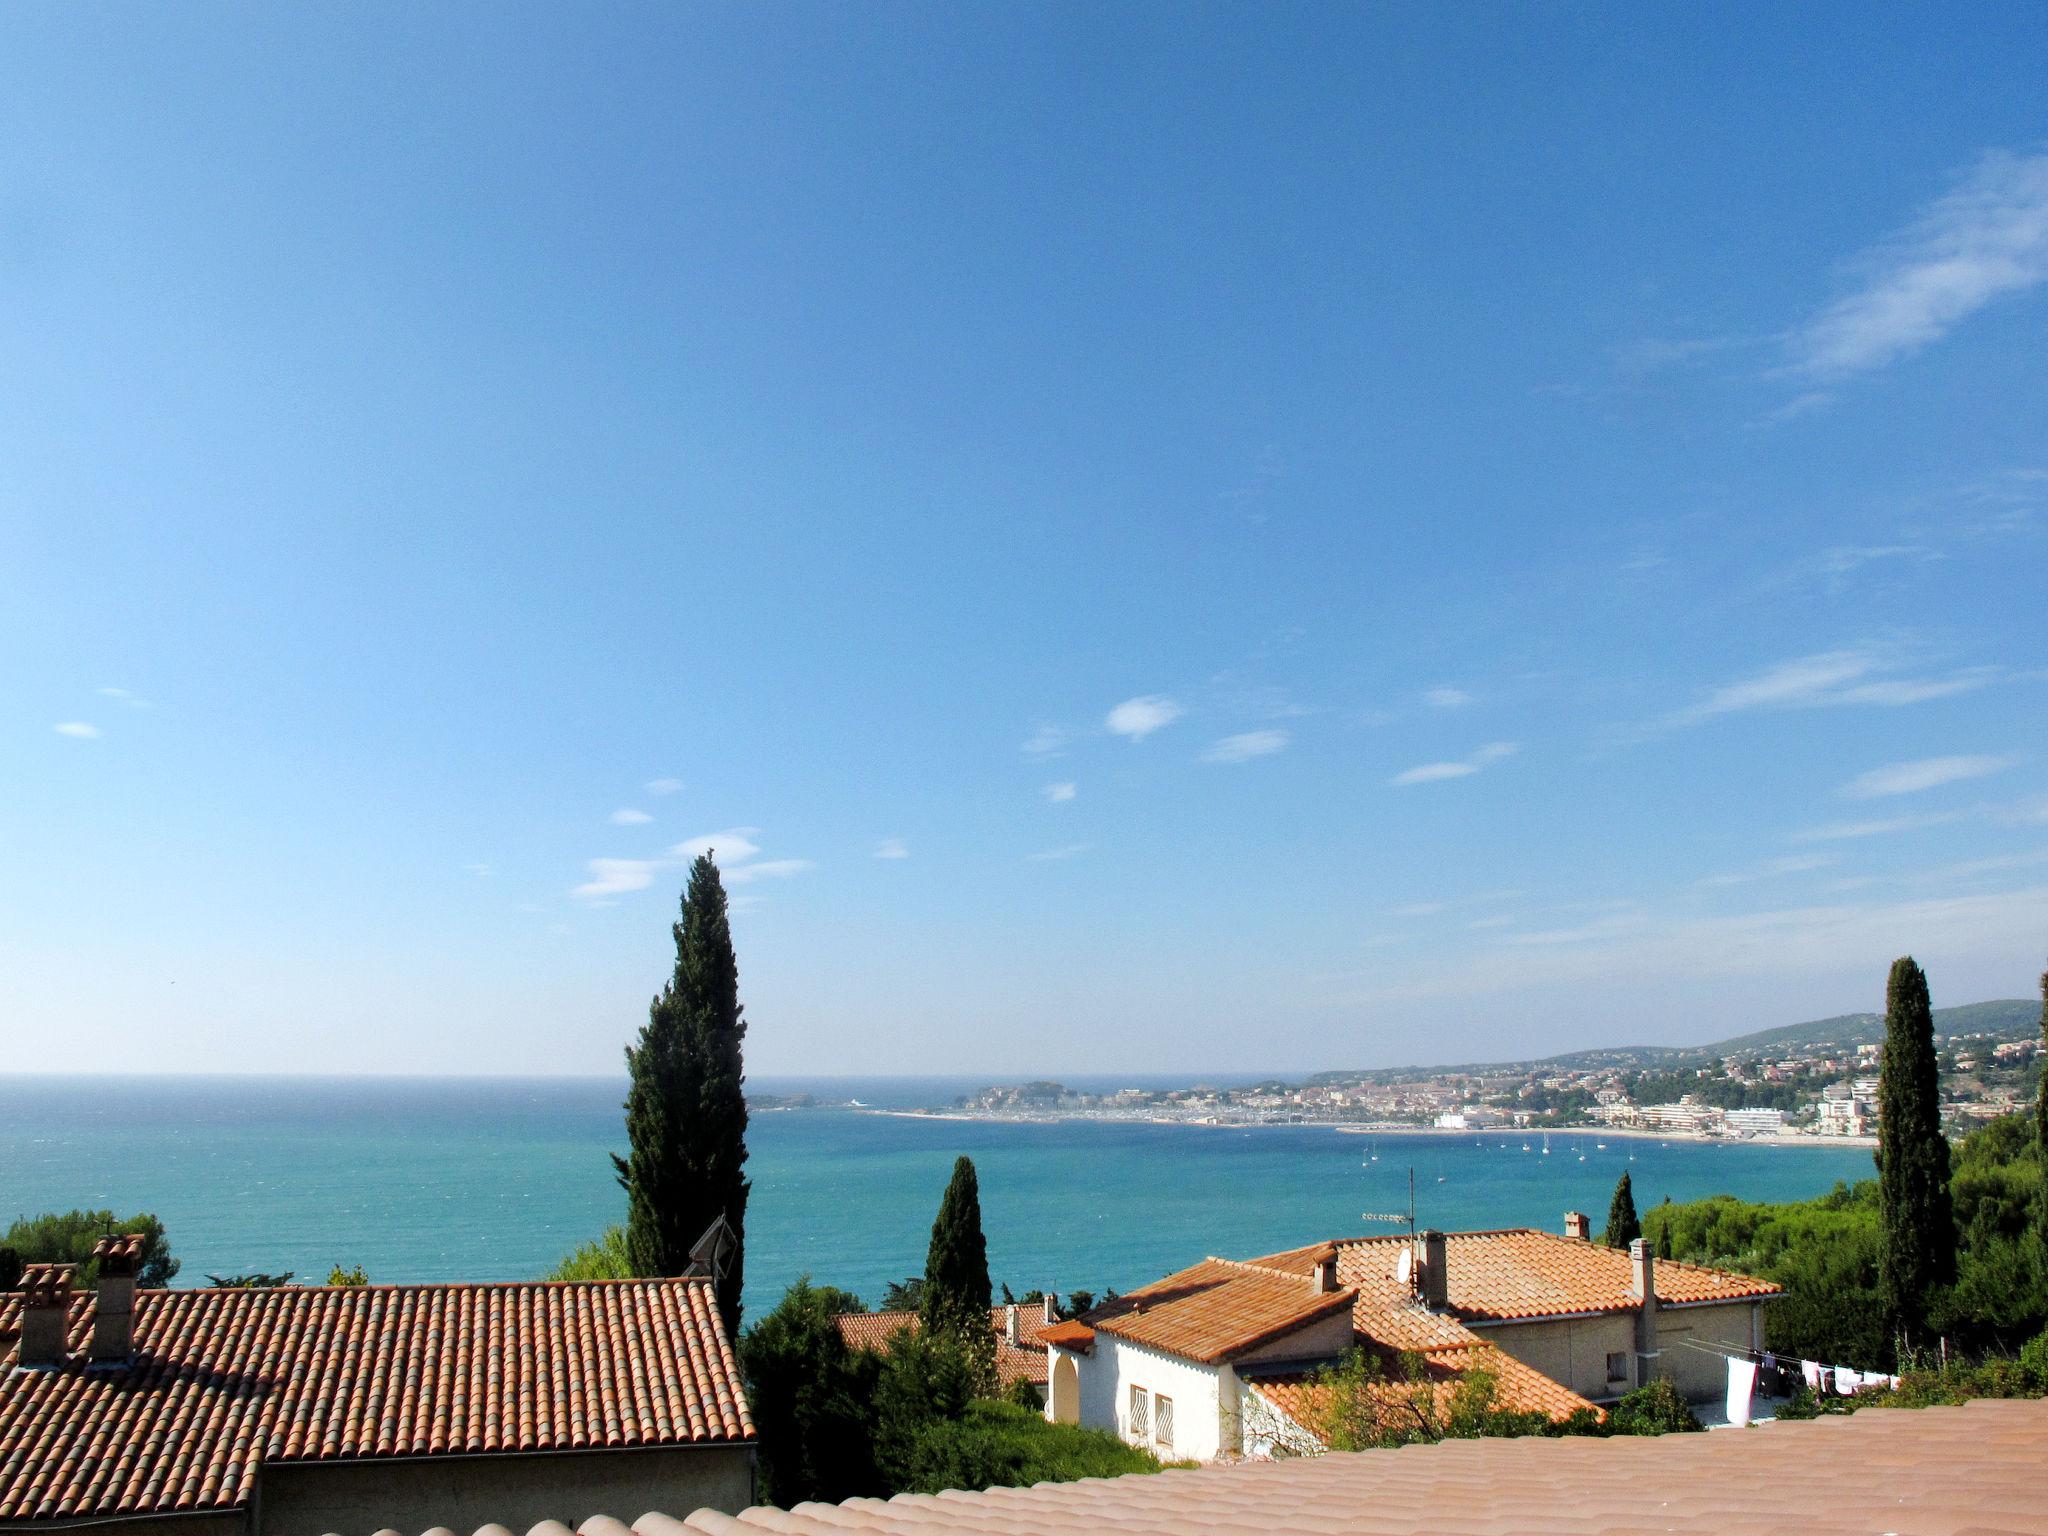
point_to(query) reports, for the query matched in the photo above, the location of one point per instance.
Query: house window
(1617, 1367)
(1162, 1421)
(1141, 1415)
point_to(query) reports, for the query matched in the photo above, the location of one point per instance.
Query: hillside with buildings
(1816, 1078)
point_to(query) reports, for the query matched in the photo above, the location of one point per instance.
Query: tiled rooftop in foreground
(1967, 1471)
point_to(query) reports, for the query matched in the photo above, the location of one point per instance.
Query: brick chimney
(45, 1313)
(1010, 1323)
(1432, 1258)
(1576, 1225)
(1326, 1268)
(113, 1319)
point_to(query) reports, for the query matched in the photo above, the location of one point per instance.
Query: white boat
(1546, 1144)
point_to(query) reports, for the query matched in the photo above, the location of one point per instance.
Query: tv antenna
(1397, 1217)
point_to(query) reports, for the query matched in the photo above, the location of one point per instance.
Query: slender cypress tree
(1917, 1236)
(956, 1288)
(1622, 1226)
(686, 1108)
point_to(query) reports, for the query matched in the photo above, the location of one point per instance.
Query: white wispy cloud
(1061, 792)
(1051, 855)
(1825, 680)
(1984, 240)
(1925, 773)
(1446, 698)
(626, 816)
(734, 845)
(481, 871)
(1417, 909)
(79, 730)
(616, 877)
(664, 786)
(1842, 831)
(1140, 717)
(1046, 741)
(1795, 864)
(892, 848)
(1245, 746)
(1433, 773)
(123, 696)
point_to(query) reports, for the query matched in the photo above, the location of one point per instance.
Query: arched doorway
(1063, 1392)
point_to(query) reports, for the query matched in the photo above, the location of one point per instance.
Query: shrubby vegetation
(837, 1423)
(1825, 1253)
(607, 1258)
(68, 1238)
(1358, 1405)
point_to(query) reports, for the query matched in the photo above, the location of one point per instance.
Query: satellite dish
(712, 1253)
(1404, 1268)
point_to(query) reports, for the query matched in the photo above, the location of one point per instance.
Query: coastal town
(1819, 1080)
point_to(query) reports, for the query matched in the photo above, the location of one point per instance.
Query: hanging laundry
(1741, 1388)
(1846, 1381)
(1815, 1375)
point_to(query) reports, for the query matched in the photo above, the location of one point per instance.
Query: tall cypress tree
(956, 1288)
(1917, 1237)
(686, 1108)
(1622, 1226)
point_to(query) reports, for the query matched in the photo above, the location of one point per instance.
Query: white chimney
(1577, 1225)
(1052, 1307)
(45, 1313)
(1642, 1274)
(113, 1318)
(1010, 1323)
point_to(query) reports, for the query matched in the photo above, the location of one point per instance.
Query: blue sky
(1169, 538)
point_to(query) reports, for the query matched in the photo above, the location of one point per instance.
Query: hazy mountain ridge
(2005, 1018)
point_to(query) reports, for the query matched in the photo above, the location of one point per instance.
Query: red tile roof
(1216, 1309)
(223, 1380)
(1518, 1274)
(1930, 1471)
(1022, 1361)
(1521, 1388)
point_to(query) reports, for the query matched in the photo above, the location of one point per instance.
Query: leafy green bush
(68, 1239)
(995, 1444)
(812, 1401)
(1655, 1409)
(605, 1258)
(2034, 1359)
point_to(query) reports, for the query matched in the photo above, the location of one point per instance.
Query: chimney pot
(1326, 1269)
(45, 1313)
(1642, 1273)
(1436, 1284)
(113, 1318)
(1577, 1225)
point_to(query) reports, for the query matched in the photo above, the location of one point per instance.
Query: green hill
(2008, 1017)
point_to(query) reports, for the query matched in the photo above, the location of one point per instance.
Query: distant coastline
(1379, 1128)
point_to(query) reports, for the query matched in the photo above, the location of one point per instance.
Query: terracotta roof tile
(1216, 1309)
(1022, 1361)
(1932, 1472)
(1522, 1389)
(222, 1380)
(1522, 1273)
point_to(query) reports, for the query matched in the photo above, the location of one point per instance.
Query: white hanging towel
(1811, 1370)
(1741, 1388)
(1846, 1381)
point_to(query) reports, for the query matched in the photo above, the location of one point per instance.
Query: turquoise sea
(494, 1179)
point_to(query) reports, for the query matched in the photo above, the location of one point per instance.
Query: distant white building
(1756, 1121)
(1470, 1118)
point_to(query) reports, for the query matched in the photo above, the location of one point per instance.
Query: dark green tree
(686, 1108)
(812, 1400)
(956, 1285)
(1623, 1227)
(68, 1238)
(10, 1269)
(1917, 1229)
